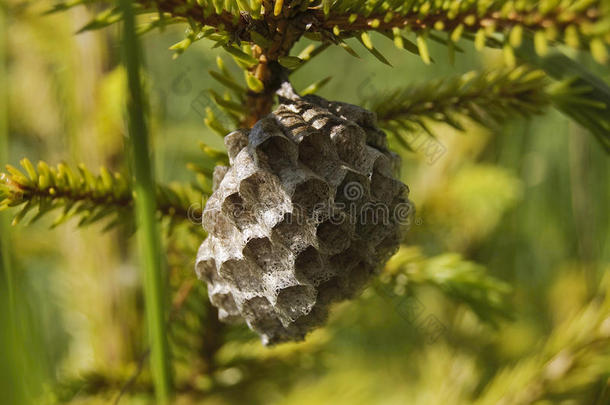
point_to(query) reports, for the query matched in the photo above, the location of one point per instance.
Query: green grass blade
(145, 204)
(13, 382)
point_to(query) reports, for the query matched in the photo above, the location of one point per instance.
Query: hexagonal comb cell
(295, 301)
(315, 318)
(311, 197)
(285, 221)
(206, 270)
(278, 152)
(383, 187)
(353, 191)
(334, 236)
(308, 266)
(330, 291)
(260, 316)
(262, 252)
(264, 197)
(293, 232)
(349, 141)
(318, 154)
(228, 311)
(235, 208)
(244, 275)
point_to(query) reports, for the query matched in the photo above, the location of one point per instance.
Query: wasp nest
(307, 211)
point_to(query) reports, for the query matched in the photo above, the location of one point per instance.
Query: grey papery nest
(307, 211)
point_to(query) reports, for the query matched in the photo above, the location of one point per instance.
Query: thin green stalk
(12, 379)
(148, 232)
(4, 224)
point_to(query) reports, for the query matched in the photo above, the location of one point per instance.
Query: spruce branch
(91, 198)
(488, 98)
(573, 364)
(274, 25)
(459, 279)
(492, 97)
(578, 93)
(579, 24)
(259, 34)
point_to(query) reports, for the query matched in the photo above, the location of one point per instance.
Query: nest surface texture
(307, 211)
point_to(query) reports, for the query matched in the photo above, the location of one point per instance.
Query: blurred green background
(529, 201)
